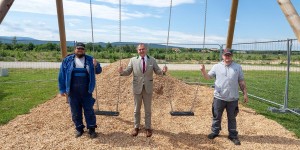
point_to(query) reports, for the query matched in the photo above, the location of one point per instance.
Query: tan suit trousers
(145, 98)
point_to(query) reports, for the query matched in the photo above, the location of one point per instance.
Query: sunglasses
(80, 48)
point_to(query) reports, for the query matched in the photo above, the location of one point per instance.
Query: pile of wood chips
(49, 125)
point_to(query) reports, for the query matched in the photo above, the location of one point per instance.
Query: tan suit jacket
(140, 78)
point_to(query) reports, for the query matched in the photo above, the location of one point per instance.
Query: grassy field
(24, 89)
(267, 84)
(188, 57)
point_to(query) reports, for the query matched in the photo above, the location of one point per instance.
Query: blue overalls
(80, 98)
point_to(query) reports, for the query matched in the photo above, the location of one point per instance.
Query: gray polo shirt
(227, 80)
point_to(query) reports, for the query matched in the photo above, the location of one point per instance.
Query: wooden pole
(4, 7)
(61, 25)
(291, 15)
(232, 20)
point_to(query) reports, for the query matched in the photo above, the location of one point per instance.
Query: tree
(30, 46)
(14, 40)
(108, 45)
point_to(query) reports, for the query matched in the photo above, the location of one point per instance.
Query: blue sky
(147, 21)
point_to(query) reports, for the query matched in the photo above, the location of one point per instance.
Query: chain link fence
(271, 68)
(272, 72)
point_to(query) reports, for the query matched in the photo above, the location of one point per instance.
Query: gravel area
(49, 125)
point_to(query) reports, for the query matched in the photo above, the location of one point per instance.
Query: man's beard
(79, 55)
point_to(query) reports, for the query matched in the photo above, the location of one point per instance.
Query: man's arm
(157, 69)
(61, 80)
(98, 68)
(204, 73)
(127, 71)
(242, 85)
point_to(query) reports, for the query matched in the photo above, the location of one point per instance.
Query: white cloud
(74, 8)
(72, 22)
(151, 3)
(108, 33)
(29, 28)
(146, 35)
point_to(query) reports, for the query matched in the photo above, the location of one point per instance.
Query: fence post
(286, 97)
(221, 49)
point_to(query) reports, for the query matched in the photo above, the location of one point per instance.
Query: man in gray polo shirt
(229, 76)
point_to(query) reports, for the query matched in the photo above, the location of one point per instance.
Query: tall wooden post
(291, 15)
(4, 7)
(61, 25)
(232, 20)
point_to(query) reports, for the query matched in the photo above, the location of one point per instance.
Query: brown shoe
(148, 132)
(135, 132)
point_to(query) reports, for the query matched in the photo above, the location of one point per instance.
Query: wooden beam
(4, 7)
(232, 20)
(291, 15)
(61, 25)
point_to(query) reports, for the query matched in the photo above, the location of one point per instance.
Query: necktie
(144, 65)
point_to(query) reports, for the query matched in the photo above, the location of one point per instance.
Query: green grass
(266, 84)
(24, 89)
(190, 76)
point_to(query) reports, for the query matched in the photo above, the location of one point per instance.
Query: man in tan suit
(142, 67)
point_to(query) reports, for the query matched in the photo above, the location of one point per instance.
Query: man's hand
(242, 84)
(95, 62)
(204, 73)
(120, 70)
(245, 98)
(165, 69)
(202, 67)
(65, 95)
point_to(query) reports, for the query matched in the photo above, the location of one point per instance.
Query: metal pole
(291, 15)
(233, 13)
(4, 7)
(92, 26)
(204, 32)
(265, 100)
(120, 51)
(61, 25)
(286, 97)
(220, 56)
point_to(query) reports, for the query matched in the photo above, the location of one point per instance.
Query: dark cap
(227, 51)
(80, 45)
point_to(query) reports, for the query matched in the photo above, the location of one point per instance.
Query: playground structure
(53, 130)
(286, 6)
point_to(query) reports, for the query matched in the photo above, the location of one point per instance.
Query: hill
(27, 40)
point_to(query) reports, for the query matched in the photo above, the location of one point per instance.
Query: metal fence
(272, 72)
(271, 68)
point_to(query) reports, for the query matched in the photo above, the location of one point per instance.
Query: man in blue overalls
(77, 81)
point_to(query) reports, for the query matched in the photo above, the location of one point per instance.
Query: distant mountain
(150, 45)
(17, 38)
(27, 40)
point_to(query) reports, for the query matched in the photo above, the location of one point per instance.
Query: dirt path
(49, 126)
(170, 66)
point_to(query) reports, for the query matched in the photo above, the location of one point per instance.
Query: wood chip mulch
(49, 125)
